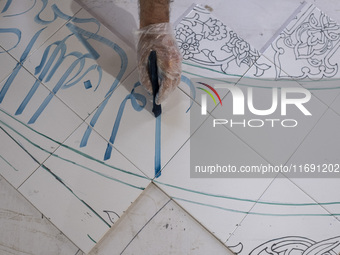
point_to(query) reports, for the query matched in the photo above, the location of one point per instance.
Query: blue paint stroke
(8, 3)
(18, 66)
(158, 147)
(58, 13)
(61, 47)
(134, 97)
(17, 14)
(14, 31)
(87, 84)
(81, 34)
(71, 83)
(188, 82)
(45, 66)
(54, 91)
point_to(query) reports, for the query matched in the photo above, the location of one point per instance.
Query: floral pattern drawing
(298, 245)
(311, 41)
(206, 41)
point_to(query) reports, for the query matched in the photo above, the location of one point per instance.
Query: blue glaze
(158, 147)
(134, 97)
(188, 82)
(82, 35)
(7, 5)
(18, 66)
(87, 84)
(14, 31)
(16, 14)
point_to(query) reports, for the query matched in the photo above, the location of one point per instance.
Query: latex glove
(159, 37)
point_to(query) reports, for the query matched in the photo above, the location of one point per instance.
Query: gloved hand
(159, 37)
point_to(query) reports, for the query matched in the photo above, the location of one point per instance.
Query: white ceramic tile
(135, 138)
(270, 134)
(320, 150)
(294, 227)
(336, 105)
(183, 234)
(15, 164)
(24, 146)
(25, 25)
(138, 215)
(54, 120)
(308, 50)
(227, 199)
(211, 51)
(85, 66)
(7, 63)
(116, 181)
(24, 230)
(64, 208)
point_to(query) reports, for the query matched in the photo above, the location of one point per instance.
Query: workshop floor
(74, 179)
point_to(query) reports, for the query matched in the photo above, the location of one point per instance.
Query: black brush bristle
(153, 74)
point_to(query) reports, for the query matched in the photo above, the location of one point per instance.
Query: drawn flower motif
(188, 42)
(240, 49)
(321, 31)
(214, 29)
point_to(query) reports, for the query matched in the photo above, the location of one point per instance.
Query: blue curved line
(54, 91)
(100, 73)
(8, 3)
(188, 82)
(58, 13)
(81, 59)
(61, 47)
(18, 66)
(70, 83)
(38, 68)
(30, 45)
(134, 97)
(15, 31)
(61, 59)
(17, 14)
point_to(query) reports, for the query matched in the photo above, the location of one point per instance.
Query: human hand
(160, 38)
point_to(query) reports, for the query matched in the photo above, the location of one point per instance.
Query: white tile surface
(228, 199)
(7, 63)
(292, 223)
(90, 178)
(19, 16)
(253, 22)
(274, 140)
(308, 50)
(320, 150)
(65, 209)
(82, 71)
(136, 134)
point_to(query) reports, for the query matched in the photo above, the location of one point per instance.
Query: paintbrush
(153, 74)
